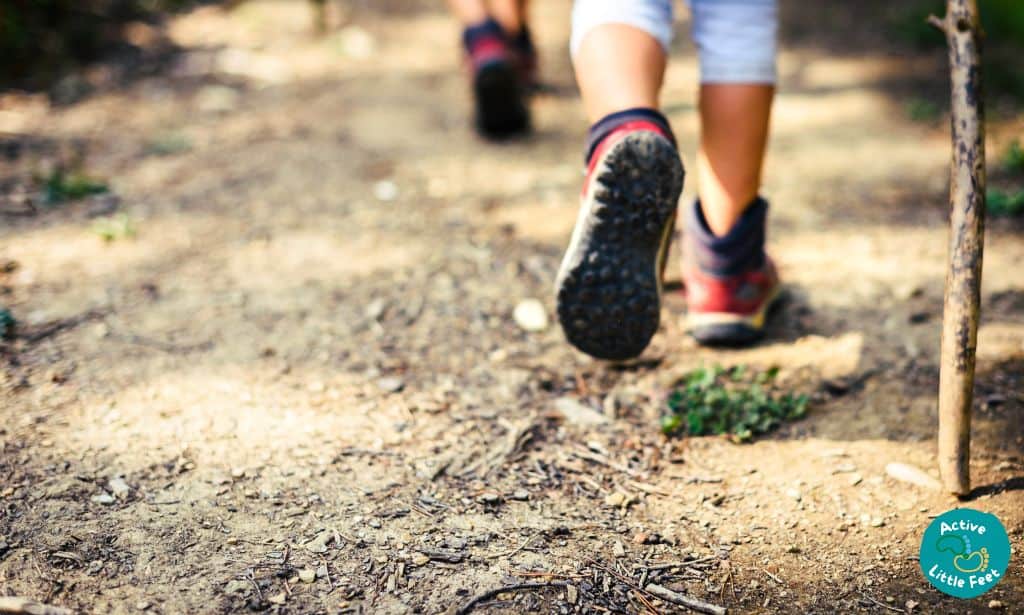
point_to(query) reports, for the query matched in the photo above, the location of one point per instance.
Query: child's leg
(609, 283)
(499, 67)
(734, 131)
(730, 282)
(618, 67)
(736, 42)
(469, 12)
(511, 14)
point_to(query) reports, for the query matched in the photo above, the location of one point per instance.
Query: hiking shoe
(498, 91)
(524, 53)
(609, 284)
(728, 298)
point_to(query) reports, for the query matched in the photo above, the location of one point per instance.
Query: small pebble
(996, 605)
(307, 575)
(104, 498)
(391, 384)
(910, 474)
(616, 499)
(520, 494)
(489, 497)
(419, 559)
(118, 487)
(385, 190)
(530, 315)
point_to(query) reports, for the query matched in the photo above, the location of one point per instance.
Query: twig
(773, 577)
(252, 579)
(57, 326)
(637, 590)
(517, 549)
(937, 22)
(518, 587)
(24, 606)
(604, 461)
(674, 597)
(694, 562)
(881, 604)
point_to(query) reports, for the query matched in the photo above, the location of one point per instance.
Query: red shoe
(728, 309)
(609, 283)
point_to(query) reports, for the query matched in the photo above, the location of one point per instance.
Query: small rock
(279, 598)
(238, 473)
(141, 606)
(996, 605)
(307, 575)
(910, 474)
(419, 559)
(355, 42)
(385, 190)
(319, 544)
(571, 594)
(390, 384)
(618, 550)
(576, 413)
(118, 487)
(317, 386)
(321, 571)
(237, 587)
(792, 549)
(911, 605)
(375, 309)
(489, 497)
(795, 494)
(530, 315)
(616, 499)
(520, 495)
(217, 99)
(104, 498)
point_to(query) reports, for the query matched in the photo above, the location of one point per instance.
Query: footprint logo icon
(964, 559)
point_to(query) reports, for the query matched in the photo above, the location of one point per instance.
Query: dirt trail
(310, 339)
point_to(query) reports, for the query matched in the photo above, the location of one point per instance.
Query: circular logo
(965, 552)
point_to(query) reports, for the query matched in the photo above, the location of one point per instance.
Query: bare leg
(618, 67)
(468, 12)
(734, 120)
(511, 14)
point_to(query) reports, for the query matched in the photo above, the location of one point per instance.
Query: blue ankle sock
(606, 125)
(488, 28)
(739, 250)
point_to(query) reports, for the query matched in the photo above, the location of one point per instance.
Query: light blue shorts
(736, 39)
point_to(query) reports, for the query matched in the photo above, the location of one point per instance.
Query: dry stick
(966, 239)
(518, 587)
(24, 606)
(689, 602)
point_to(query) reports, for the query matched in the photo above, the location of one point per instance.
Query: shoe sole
(500, 109)
(725, 329)
(609, 285)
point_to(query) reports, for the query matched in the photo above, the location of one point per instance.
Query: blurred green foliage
(1003, 22)
(41, 39)
(7, 323)
(1004, 204)
(737, 402)
(113, 228)
(61, 186)
(1013, 159)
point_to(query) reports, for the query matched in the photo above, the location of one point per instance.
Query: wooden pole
(966, 241)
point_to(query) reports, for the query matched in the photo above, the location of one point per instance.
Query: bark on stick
(966, 239)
